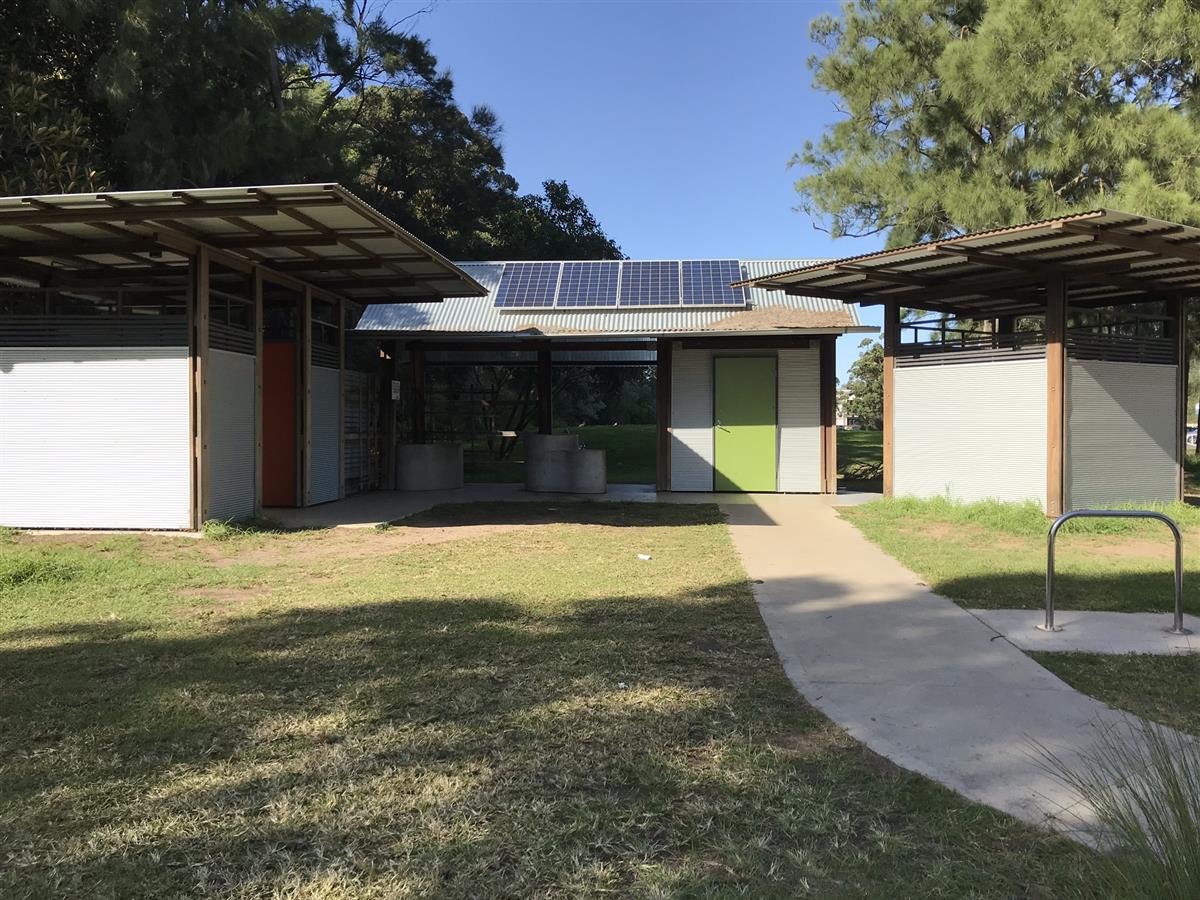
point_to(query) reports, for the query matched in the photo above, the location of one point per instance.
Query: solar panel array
(706, 282)
(528, 285)
(600, 284)
(588, 284)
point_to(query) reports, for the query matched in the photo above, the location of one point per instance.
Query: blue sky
(675, 121)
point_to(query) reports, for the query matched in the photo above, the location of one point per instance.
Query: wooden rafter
(337, 264)
(1105, 273)
(1132, 241)
(116, 246)
(51, 214)
(354, 245)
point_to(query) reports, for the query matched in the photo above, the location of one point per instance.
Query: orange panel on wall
(279, 424)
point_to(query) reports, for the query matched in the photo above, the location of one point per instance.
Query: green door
(744, 423)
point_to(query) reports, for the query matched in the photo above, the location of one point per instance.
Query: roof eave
(610, 335)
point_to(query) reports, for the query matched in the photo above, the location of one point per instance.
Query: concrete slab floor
(910, 674)
(377, 507)
(1093, 632)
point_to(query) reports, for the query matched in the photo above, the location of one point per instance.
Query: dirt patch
(219, 601)
(343, 544)
(1121, 546)
(938, 531)
(224, 593)
(965, 533)
(817, 742)
(168, 543)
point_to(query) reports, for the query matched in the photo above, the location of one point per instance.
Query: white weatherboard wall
(691, 420)
(798, 415)
(95, 437)
(325, 461)
(1120, 433)
(231, 445)
(800, 420)
(971, 431)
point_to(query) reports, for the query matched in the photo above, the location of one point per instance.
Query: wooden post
(1181, 387)
(545, 388)
(416, 352)
(258, 391)
(662, 413)
(827, 362)
(201, 425)
(891, 343)
(1056, 355)
(306, 331)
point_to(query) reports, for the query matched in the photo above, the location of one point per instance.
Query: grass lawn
(490, 701)
(631, 456)
(860, 454)
(1165, 689)
(993, 555)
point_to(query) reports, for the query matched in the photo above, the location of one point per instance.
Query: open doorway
(489, 405)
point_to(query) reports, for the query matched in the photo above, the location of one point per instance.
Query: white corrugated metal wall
(231, 442)
(1121, 440)
(95, 437)
(971, 431)
(799, 417)
(691, 420)
(800, 420)
(325, 460)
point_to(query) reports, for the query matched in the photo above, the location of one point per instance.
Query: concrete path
(907, 672)
(1093, 632)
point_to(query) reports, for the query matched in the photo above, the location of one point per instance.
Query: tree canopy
(135, 94)
(861, 397)
(961, 115)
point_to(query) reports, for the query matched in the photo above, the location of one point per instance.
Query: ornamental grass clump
(1142, 783)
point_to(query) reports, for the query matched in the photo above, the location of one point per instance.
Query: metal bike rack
(1049, 625)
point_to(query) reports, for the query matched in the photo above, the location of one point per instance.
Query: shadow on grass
(466, 742)
(540, 511)
(459, 747)
(1117, 592)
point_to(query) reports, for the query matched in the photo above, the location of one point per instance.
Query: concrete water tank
(429, 467)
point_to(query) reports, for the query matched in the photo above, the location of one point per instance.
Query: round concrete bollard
(548, 462)
(589, 472)
(429, 467)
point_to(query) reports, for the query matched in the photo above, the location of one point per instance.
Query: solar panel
(649, 283)
(588, 284)
(528, 285)
(706, 282)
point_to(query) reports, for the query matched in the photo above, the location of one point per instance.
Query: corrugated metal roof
(321, 234)
(481, 316)
(1105, 255)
